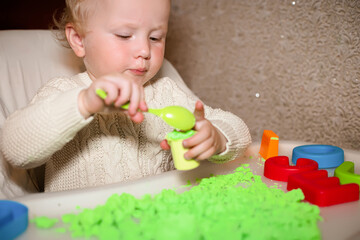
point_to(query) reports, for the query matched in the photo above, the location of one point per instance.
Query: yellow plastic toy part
(175, 139)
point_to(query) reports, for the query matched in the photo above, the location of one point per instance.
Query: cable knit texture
(107, 147)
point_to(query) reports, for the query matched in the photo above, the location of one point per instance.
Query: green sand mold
(233, 206)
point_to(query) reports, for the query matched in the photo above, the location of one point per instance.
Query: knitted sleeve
(32, 134)
(231, 126)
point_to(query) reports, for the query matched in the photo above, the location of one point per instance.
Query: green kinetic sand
(44, 222)
(234, 206)
(177, 135)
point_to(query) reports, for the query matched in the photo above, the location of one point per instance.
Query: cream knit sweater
(105, 148)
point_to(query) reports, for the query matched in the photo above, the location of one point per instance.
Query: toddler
(86, 141)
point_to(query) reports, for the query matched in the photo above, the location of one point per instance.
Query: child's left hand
(208, 140)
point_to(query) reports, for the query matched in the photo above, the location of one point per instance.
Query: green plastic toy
(176, 116)
(345, 173)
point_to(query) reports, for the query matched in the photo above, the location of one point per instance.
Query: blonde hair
(75, 12)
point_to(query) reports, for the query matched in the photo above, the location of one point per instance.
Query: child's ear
(75, 40)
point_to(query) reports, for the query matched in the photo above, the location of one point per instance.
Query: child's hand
(119, 91)
(208, 140)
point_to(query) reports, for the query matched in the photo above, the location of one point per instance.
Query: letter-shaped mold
(345, 172)
(322, 190)
(279, 169)
(327, 156)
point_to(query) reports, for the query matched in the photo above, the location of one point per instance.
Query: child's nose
(143, 49)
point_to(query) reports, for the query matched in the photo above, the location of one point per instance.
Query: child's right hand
(119, 91)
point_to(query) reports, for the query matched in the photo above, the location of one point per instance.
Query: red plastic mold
(279, 169)
(322, 190)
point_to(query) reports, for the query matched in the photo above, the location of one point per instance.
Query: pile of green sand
(233, 206)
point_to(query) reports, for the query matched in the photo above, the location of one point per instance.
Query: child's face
(127, 37)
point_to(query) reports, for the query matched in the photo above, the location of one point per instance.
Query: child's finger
(138, 117)
(122, 86)
(135, 99)
(124, 89)
(198, 150)
(205, 155)
(142, 105)
(164, 145)
(199, 112)
(110, 90)
(198, 138)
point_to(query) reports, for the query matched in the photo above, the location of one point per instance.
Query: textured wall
(289, 66)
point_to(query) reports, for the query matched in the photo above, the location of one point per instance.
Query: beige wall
(289, 66)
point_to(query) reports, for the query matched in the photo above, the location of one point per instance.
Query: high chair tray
(340, 221)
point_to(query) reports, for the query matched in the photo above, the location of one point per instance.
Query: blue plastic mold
(13, 219)
(327, 156)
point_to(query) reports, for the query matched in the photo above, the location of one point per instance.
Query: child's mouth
(138, 71)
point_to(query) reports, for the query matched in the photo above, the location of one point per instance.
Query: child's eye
(155, 39)
(123, 36)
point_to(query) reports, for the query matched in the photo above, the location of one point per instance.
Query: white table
(340, 221)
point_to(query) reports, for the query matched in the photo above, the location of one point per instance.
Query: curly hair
(75, 12)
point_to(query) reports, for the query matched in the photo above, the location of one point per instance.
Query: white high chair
(28, 59)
